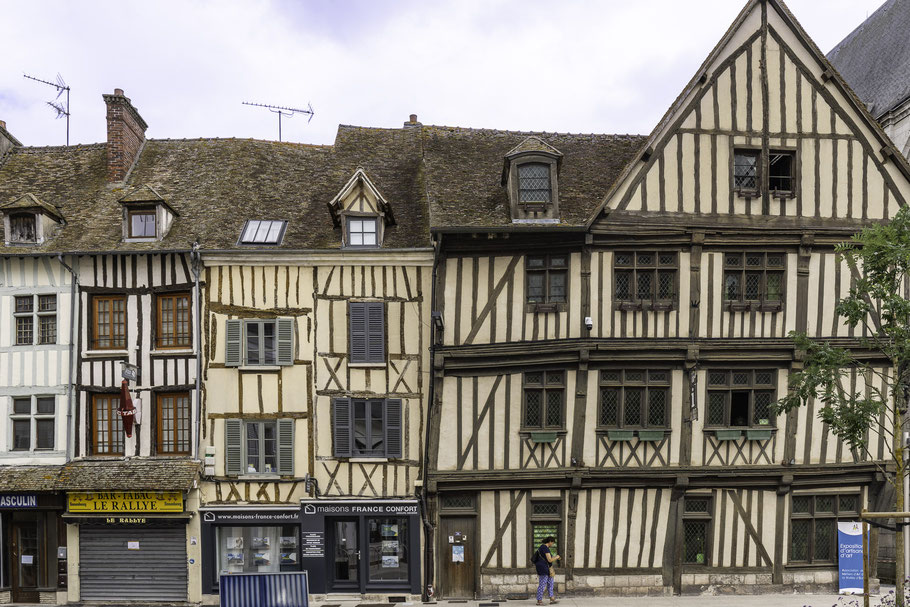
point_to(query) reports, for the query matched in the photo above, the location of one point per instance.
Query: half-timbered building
(614, 330)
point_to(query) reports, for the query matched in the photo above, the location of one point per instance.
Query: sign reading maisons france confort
(126, 501)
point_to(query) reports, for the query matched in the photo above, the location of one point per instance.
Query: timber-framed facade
(627, 409)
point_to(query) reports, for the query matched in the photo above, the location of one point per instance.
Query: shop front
(361, 546)
(258, 539)
(132, 545)
(32, 547)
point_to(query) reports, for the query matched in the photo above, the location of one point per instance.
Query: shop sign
(19, 500)
(250, 516)
(354, 507)
(313, 544)
(125, 501)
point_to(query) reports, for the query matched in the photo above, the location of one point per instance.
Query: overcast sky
(612, 66)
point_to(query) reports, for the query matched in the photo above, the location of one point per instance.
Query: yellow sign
(126, 501)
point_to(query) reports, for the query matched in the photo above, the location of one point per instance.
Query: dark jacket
(542, 564)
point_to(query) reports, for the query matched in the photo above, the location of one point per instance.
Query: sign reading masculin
(125, 501)
(19, 500)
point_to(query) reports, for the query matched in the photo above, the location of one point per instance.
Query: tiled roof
(107, 475)
(875, 58)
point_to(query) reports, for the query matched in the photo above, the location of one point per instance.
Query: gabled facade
(600, 380)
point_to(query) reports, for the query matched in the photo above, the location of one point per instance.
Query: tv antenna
(284, 111)
(61, 108)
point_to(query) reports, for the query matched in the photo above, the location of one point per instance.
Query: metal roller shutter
(108, 571)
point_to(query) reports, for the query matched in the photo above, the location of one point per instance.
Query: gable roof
(29, 201)
(875, 57)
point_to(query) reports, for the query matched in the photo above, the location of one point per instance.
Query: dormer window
(362, 231)
(142, 224)
(529, 173)
(263, 232)
(23, 227)
(534, 183)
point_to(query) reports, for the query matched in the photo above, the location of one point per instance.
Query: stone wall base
(44, 598)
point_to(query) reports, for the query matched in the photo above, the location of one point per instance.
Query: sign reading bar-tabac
(126, 501)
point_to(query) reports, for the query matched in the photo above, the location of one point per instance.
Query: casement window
(367, 427)
(534, 183)
(747, 172)
(545, 520)
(142, 223)
(109, 322)
(36, 319)
(754, 278)
(697, 530)
(173, 321)
(259, 342)
(366, 330)
(259, 447)
(646, 277)
(23, 227)
(363, 231)
(547, 277)
(634, 398)
(32, 423)
(107, 425)
(813, 526)
(740, 397)
(263, 232)
(173, 423)
(544, 400)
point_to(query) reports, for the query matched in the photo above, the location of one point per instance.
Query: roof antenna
(61, 108)
(284, 111)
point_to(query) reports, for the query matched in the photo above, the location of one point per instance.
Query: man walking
(543, 561)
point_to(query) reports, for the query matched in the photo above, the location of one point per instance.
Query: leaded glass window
(634, 398)
(754, 277)
(813, 525)
(547, 277)
(544, 400)
(645, 276)
(740, 397)
(534, 183)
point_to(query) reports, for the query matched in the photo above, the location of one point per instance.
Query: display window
(257, 549)
(388, 546)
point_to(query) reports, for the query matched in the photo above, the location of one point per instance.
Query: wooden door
(25, 562)
(457, 556)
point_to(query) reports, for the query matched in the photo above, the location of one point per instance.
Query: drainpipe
(196, 264)
(74, 336)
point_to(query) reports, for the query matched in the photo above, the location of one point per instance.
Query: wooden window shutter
(286, 447)
(342, 426)
(357, 316)
(233, 446)
(375, 332)
(393, 430)
(233, 352)
(285, 341)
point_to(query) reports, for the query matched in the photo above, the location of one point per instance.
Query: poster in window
(261, 559)
(390, 560)
(390, 546)
(235, 558)
(234, 543)
(288, 558)
(261, 542)
(287, 541)
(390, 531)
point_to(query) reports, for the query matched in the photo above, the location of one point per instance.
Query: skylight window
(263, 232)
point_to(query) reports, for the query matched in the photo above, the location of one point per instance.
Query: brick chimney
(125, 135)
(7, 141)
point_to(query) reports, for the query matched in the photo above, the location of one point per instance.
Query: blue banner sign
(850, 557)
(18, 500)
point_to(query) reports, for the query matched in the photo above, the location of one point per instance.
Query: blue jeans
(545, 582)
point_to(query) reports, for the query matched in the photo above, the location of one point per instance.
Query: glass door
(345, 559)
(388, 546)
(25, 562)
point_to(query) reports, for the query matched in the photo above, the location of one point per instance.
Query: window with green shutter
(367, 331)
(259, 342)
(367, 427)
(259, 447)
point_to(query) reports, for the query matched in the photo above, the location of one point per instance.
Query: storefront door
(456, 554)
(345, 545)
(25, 561)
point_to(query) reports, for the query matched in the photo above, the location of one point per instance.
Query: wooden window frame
(33, 218)
(549, 189)
(761, 182)
(549, 302)
(545, 386)
(159, 334)
(637, 266)
(727, 389)
(813, 516)
(35, 318)
(347, 228)
(742, 270)
(144, 212)
(32, 417)
(387, 451)
(159, 429)
(261, 439)
(371, 338)
(650, 382)
(546, 519)
(112, 402)
(95, 323)
(262, 362)
(707, 518)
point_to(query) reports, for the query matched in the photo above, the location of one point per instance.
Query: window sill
(366, 459)
(746, 193)
(736, 306)
(259, 368)
(141, 239)
(539, 307)
(644, 306)
(105, 353)
(253, 476)
(749, 433)
(381, 365)
(643, 434)
(171, 352)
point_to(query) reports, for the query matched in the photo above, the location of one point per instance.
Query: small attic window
(362, 232)
(534, 183)
(258, 231)
(23, 227)
(142, 223)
